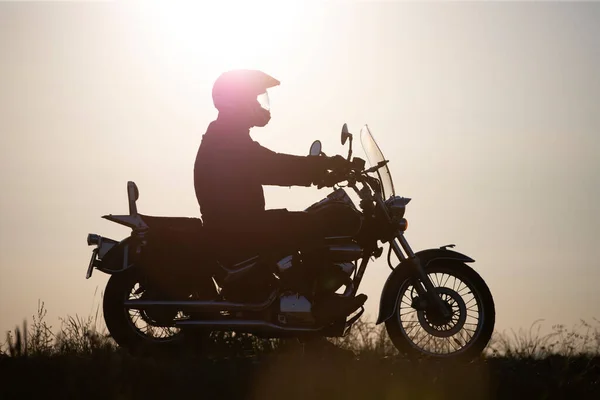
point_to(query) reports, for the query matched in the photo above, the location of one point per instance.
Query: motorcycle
(165, 285)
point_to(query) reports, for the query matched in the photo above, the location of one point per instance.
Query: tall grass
(582, 339)
(75, 335)
(80, 360)
(81, 336)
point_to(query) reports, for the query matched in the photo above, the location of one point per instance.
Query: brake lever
(376, 167)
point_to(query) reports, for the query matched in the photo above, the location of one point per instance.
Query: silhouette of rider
(231, 168)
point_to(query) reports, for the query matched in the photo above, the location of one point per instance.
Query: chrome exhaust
(245, 326)
(201, 305)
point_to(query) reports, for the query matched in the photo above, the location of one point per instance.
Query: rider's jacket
(231, 168)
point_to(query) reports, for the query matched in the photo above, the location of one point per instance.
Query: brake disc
(438, 325)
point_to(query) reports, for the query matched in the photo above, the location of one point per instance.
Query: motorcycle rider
(231, 168)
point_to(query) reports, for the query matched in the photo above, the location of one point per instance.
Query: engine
(295, 309)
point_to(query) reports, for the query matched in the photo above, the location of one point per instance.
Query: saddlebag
(176, 257)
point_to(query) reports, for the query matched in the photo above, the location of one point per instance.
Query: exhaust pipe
(246, 326)
(201, 305)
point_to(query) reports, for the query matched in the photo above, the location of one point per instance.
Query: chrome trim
(405, 245)
(242, 325)
(126, 264)
(296, 308)
(397, 250)
(285, 263)
(204, 305)
(104, 246)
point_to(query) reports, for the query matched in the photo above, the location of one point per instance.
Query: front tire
(465, 334)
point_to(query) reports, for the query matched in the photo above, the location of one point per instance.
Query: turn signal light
(403, 224)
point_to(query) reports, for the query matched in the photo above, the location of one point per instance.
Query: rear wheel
(417, 330)
(137, 329)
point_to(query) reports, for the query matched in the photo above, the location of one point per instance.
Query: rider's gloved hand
(328, 180)
(339, 163)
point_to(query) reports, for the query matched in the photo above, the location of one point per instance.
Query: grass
(81, 361)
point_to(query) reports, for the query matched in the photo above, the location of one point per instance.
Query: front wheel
(418, 330)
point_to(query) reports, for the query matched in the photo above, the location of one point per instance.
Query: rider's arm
(284, 169)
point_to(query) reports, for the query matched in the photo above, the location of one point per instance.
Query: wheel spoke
(437, 280)
(436, 334)
(467, 302)
(447, 279)
(408, 312)
(141, 322)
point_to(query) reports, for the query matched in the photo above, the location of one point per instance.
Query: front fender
(387, 304)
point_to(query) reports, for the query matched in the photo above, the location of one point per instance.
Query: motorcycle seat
(189, 225)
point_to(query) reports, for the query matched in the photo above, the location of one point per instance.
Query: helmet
(242, 94)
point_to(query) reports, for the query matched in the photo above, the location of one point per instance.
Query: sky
(489, 113)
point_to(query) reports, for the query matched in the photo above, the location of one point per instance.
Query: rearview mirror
(345, 134)
(315, 148)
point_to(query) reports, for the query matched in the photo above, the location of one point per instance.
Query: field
(78, 361)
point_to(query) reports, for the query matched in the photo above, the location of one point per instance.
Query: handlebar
(354, 175)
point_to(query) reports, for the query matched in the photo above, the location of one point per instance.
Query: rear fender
(388, 302)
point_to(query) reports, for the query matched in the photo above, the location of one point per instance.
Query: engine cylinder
(295, 309)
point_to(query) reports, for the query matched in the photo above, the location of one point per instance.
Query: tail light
(93, 239)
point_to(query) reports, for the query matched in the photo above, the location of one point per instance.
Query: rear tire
(475, 285)
(121, 323)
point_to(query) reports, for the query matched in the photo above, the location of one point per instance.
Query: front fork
(427, 290)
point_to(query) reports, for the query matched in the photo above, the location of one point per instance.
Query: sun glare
(220, 35)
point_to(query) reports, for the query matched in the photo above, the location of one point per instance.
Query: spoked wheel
(418, 329)
(155, 324)
(131, 328)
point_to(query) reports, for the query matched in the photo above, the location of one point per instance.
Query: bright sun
(221, 35)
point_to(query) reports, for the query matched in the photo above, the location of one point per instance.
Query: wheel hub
(437, 318)
(435, 323)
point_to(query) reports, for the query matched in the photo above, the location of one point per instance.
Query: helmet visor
(263, 100)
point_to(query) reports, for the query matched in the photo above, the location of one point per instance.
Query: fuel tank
(338, 214)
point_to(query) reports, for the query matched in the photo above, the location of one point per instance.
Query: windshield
(374, 156)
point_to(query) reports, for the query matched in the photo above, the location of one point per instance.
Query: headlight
(397, 212)
(397, 206)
